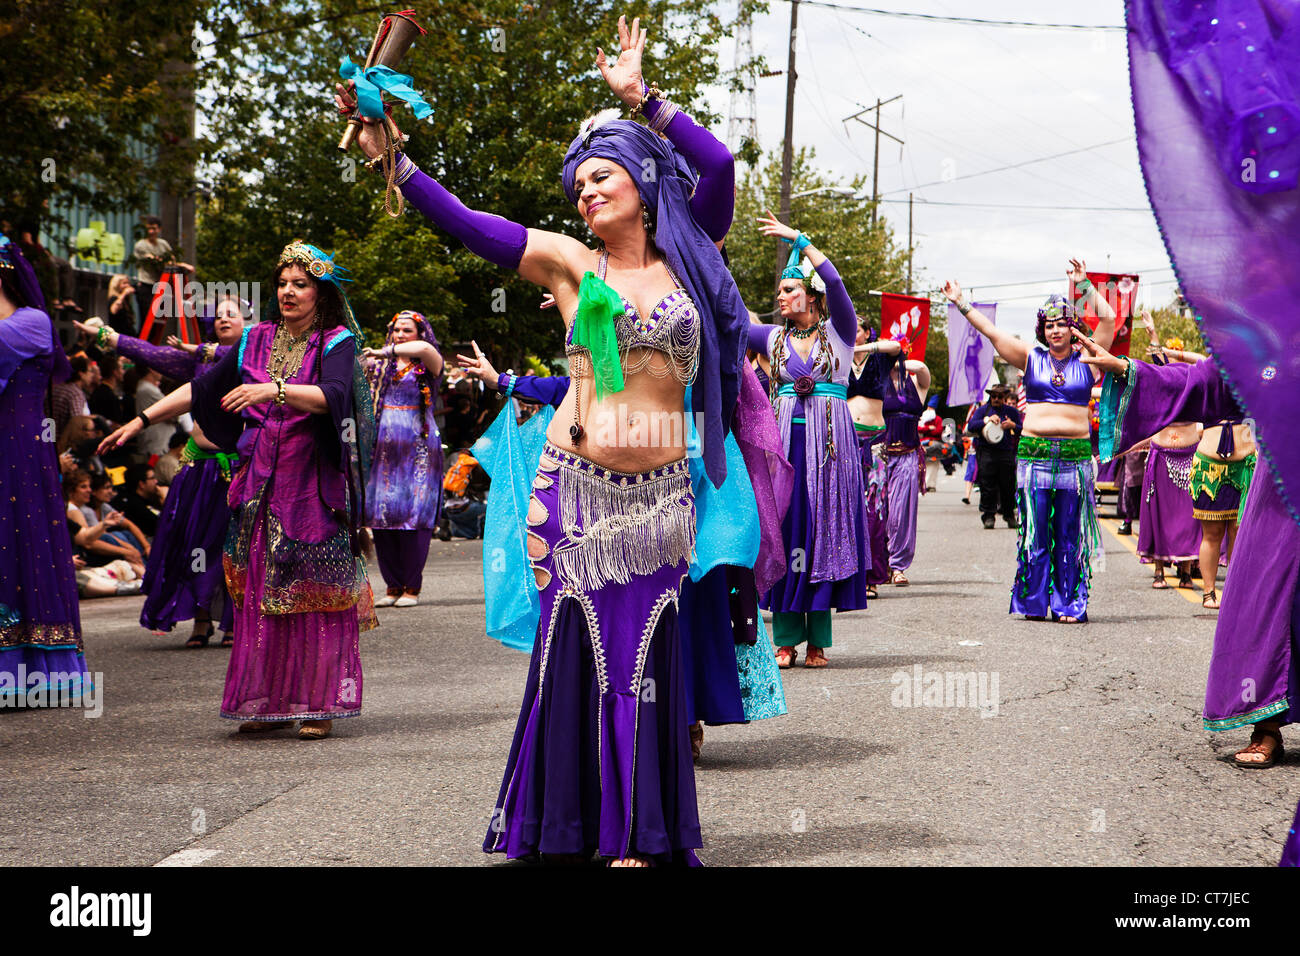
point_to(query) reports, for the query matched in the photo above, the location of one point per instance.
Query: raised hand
(624, 77)
(479, 367)
(371, 137)
(769, 225)
(952, 289)
(1077, 271)
(1093, 354)
(244, 396)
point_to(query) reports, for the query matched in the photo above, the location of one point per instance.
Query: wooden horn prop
(396, 33)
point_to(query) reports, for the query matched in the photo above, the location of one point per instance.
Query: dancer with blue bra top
(600, 764)
(1054, 471)
(826, 527)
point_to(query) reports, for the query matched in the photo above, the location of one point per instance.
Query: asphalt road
(1088, 748)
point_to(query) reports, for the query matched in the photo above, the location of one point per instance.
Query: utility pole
(787, 153)
(909, 243)
(875, 163)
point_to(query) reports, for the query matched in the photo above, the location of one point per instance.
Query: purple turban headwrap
(665, 183)
(1215, 88)
(29, 290)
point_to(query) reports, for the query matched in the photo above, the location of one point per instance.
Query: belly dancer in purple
(290, 399)
(1054, 471)
(600, 764)
(872, 359)
(41, 656)
(906, 382)
(184, 579)
(404, 495)
(826, 526)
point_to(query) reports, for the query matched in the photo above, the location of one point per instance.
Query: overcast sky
(976, 98)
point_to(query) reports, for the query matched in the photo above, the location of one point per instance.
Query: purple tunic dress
(404, 492)
(40, 623)
(825, 528)
(184, 572)
(300, 590)
(1252, 667)
(870, 383)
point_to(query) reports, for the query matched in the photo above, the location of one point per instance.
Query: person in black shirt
(996, 460)
(106, 400)
(139, 498)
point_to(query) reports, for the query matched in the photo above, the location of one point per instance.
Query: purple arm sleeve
(489, 237)
(176, 364)
(1154, 396)
(843, 317)
(548, 390)
(221, 427)
(714, 202)
(759, 336)
(23, 335)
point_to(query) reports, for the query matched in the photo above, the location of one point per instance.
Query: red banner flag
(1120, 290)
(906, 319)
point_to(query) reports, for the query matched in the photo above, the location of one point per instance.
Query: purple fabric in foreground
(1251, 666)
(1215, 89)
(771, 475)
(1291, 850)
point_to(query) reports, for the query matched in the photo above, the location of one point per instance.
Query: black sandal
(227, 639)
(1257, 738)
(1184, 579)
(1209, 596)
(198, 640)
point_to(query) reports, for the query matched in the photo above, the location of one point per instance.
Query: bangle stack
(405, 169)
(964, 307)
(101, 337)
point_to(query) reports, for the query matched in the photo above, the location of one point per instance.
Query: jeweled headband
(318, 263)
(1057, 307)
(5, 244)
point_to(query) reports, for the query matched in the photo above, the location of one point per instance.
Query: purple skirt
(1168, 530)
(184, 572)
(873, 478)
(304, 666)
(601, 757)
(796, 592)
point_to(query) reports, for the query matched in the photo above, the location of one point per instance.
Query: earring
(646, 221)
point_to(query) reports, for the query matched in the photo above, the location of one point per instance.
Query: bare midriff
(1241, 437)
(1177, 435)
(201, 439)
(866, 411)
(1057, 420)
(638, 429)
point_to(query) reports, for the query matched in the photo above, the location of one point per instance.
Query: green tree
(85, 86)
(509, 85)
(1171, 323)
(864, 253)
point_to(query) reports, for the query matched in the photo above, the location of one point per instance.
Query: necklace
(287, 352)
(1058, 368)
(804, 333)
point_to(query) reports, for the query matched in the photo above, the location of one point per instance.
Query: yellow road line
(1129, 541)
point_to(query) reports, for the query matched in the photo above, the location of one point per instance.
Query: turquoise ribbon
(372, 82)
(822, 389)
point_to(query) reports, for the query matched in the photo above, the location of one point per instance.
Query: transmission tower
(742, 118)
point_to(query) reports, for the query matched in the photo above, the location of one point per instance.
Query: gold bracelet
(651, 93)
(279, 396)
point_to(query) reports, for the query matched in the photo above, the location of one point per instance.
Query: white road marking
(191, 856)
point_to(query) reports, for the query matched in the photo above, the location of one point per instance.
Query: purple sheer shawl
(1215, 86)
(665, 183)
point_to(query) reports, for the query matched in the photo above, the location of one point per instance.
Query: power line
(1003, 205)
(969, 21)
(1027, 162)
